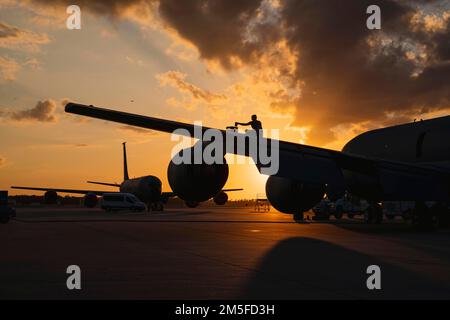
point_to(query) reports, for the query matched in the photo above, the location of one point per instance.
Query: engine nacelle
(221, 198)
(291, 196)
(197, 182)
(50, 197)
(90, 200)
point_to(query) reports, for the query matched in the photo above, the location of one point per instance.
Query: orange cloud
(334, 76)
(431, 22)
(2, 161)
(177, 80)
(137, 130)
(8, 68)
(14, 38)
(43, 111)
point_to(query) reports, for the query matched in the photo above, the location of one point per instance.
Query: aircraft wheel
(424, 218)
(440, 215)
(373, 214)
(299, 217)
(378, 213)
(368, 215)
(157, 206)
(339, 213)
(407, 215)
(325, 216)
(4, 219)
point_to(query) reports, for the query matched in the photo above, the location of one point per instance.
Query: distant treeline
(31, 200)
(27, 200)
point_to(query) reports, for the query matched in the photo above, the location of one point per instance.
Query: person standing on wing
(255, 124)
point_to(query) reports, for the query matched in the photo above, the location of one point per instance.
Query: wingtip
(73, 107)
(68, 107)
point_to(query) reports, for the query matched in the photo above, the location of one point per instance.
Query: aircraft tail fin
(125, 164)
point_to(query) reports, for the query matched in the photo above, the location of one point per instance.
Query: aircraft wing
(96, 192)
(104, 183)
(230, 190)
(173, 194)
(397, 180)
(129, 118)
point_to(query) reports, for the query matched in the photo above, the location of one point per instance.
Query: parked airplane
(146, 188)
(402, 162)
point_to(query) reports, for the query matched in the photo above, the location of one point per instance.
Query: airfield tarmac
(216, 253)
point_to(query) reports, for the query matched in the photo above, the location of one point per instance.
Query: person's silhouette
(257, 126)
(255, 123)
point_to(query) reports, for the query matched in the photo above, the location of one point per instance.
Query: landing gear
(339, 213)
(4, 219)
(442, 211)
(155, 206)
(407, 215)
(299, 217)
(424, 218)
(321, 216)
(159, 206)
(373, 214)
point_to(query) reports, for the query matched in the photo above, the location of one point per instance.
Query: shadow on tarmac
(291, 271)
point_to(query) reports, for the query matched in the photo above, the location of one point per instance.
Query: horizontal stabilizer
(105, 183)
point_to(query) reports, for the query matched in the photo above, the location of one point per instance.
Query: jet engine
(221, 198)
(291, 196)
(90, 200)
(197, 182)
(50, 197)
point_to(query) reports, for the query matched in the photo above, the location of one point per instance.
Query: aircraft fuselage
(147, 188)
(422, 141)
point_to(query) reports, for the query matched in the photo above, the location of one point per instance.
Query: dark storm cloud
(217, 28)
(344, 78)
(346, 73)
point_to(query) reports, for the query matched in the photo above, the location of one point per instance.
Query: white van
(121, 201)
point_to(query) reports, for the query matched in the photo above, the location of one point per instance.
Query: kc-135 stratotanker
(146, 188)
(407, 162)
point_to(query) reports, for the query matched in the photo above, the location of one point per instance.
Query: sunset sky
(309, 68)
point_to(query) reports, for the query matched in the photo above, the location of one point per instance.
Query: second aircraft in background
(147, 188)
